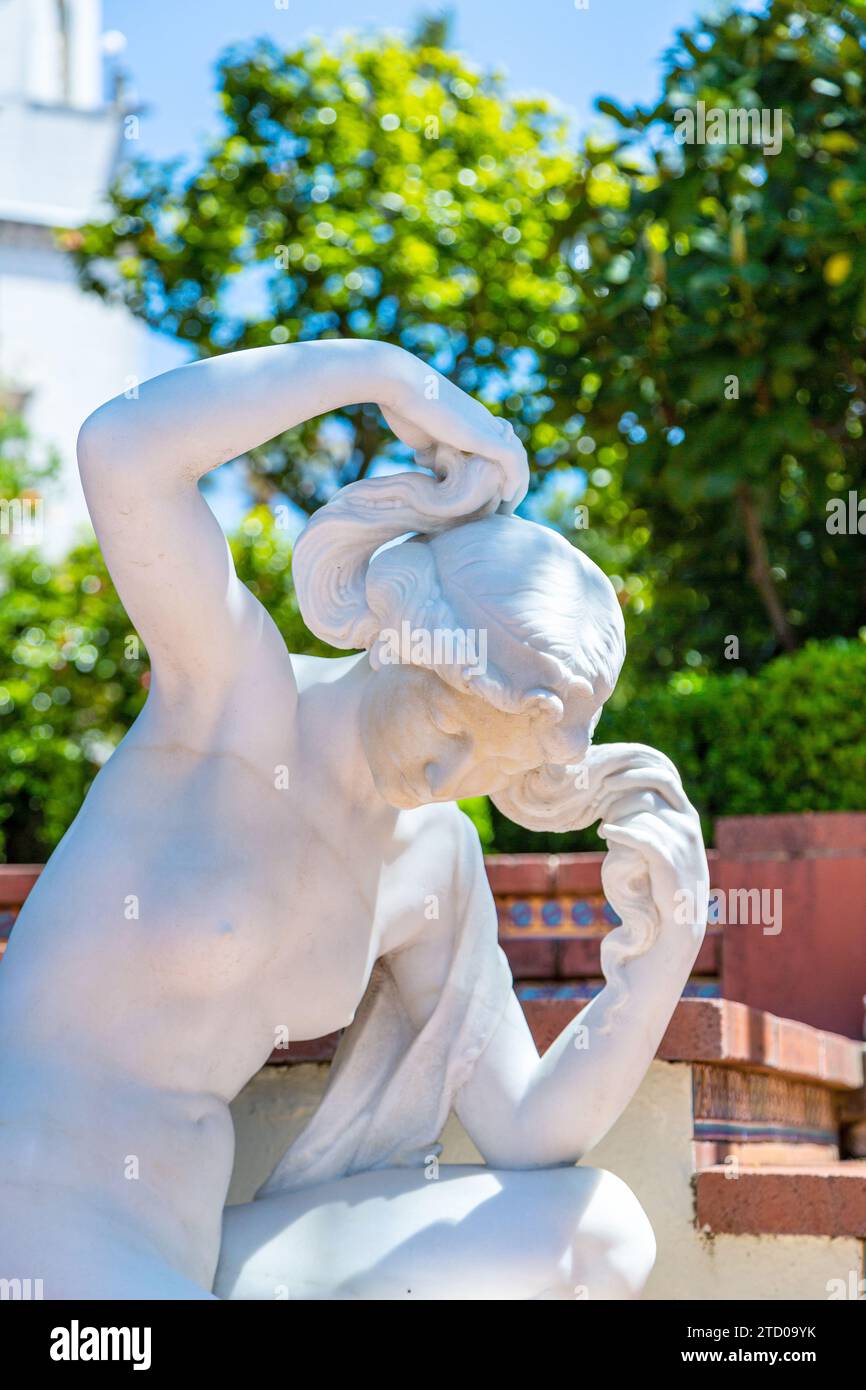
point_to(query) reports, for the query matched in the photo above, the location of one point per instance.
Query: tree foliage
(374, 188)
(723, 372)
(679, 328)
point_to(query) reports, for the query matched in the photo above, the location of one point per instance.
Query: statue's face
(427, 742)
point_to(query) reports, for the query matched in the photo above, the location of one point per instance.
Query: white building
(62, 353)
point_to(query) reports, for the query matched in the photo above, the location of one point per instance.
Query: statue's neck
(329, 733)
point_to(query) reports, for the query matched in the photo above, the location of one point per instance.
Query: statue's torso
(195, 916)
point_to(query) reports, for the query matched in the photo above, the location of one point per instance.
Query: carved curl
(574, 797)
(550, 622)
(333, 553)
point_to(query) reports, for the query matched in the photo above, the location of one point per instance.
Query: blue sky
(609, 49)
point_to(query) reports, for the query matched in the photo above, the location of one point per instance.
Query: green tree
(376, 188)
(23, 471)
(722, 377)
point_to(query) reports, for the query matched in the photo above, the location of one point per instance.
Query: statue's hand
(653, 833)
(451, 416)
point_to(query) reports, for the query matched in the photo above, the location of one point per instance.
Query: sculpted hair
(333, 553)
(554, 631)
(552, 625)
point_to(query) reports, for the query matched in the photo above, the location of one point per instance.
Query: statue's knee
(613, 1248)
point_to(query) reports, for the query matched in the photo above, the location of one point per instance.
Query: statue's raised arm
(141, 457)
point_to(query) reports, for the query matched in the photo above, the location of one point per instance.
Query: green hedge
(790, 738)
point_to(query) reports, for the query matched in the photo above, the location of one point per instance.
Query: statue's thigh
(470, 1233)
(55, 1241)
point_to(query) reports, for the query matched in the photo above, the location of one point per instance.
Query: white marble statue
(274, 848)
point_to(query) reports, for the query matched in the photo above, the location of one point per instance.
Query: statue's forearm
(190, 420)
(588, 1076)
(526, 1112)
(655, 876)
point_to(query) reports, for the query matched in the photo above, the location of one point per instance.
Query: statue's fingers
(614, 757)
(659, 780)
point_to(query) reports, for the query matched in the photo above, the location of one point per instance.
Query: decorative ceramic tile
(563, 916)
(752, 1107)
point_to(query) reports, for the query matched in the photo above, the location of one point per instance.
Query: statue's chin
(398, 791)
(401, 802)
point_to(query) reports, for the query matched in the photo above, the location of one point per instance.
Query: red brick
(16, 881)
(548, 1017)
(721, 1030)
(799, 833)
(310, 1050)
(579, 873)
(580, 957)
(814, 969)
(709, 957)
(826, 1200)
(520, 873)
(534, 958)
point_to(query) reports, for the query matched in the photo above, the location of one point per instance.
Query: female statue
(274, 849)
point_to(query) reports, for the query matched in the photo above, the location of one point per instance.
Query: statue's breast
(325, 910)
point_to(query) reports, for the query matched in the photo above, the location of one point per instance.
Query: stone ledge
(701, 1030)
(16, 881)
(720, 1030)
(829, 1200)
(526, 873)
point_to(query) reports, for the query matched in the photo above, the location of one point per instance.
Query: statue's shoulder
(443, 836)
(437, 868)
(435, 885)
